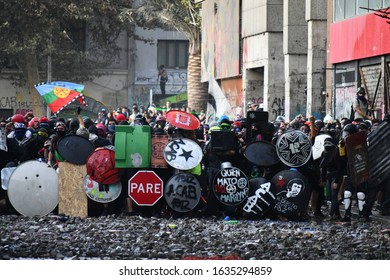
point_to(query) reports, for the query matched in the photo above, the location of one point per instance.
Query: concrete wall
(263, 55)
(316, 57)
(295, 50)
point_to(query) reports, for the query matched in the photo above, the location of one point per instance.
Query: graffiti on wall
(277, 107)
(344, 99)
(220, 46)
(19, 103)
(177, 83)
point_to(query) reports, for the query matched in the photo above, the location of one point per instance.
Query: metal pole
(48, 112)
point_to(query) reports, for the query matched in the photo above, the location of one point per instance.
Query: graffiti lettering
(12, 102)
(182, 192)
(277, 107)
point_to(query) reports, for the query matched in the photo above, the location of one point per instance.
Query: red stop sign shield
(145, 188)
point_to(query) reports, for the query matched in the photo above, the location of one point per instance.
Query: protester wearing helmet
(360, 105)
(18, 118)
(20, 132)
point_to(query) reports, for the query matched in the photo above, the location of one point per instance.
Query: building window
(349, 8)
(172, 53)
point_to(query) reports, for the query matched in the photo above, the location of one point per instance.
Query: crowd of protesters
(31, 137)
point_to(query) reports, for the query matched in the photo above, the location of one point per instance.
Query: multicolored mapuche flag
(58, 95)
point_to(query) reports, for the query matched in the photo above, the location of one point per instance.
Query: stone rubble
(117, 237)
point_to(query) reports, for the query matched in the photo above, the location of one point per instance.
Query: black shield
(230, 186)
(292, 192)
(261, 153)
(294, 148)
(259, 117)
(182, 192)
(378, 154)
(75, 149)
(357, 153)
(261, 197)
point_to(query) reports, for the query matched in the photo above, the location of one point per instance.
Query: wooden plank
(72, 200)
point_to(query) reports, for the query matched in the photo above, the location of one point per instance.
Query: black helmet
(350, 128)
(361, 90)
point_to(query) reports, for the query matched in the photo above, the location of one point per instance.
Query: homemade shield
(101, 166)
(318, 146)
(292, 192)
(378, 154)
(223, 141)
(158, 144)
(182, 192)
(357, 153)
(33, 189)
(293, 148)
(102, 193)
(75, 149)
(259, 117)
(183, 154)
(132, 146)
(182, 119)
(230, 186)
(5, 175)
(261, 153)
(261, 197)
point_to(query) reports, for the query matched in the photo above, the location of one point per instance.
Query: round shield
(261, 153)
(231, 186)
(183, 154)
(182, 192)
(102, 193)
(75, 149)
(292, 192)
(182, 119)
(318, 146)
(33, 188)
(261, 197)
(293, 148)
(101, 166)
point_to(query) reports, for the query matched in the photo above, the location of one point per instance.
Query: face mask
(19, 133)
(61, 133)
(111, 127)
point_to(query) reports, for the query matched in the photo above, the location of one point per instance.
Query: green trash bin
(132, 146)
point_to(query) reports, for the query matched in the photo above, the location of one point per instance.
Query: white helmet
(328, 119)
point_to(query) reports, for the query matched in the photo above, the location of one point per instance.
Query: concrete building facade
(132, 78)
(359, 54)
(282, 54)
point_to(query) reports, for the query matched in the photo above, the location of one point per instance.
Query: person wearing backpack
(360, 105)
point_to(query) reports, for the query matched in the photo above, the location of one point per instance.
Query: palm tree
(183, 16)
